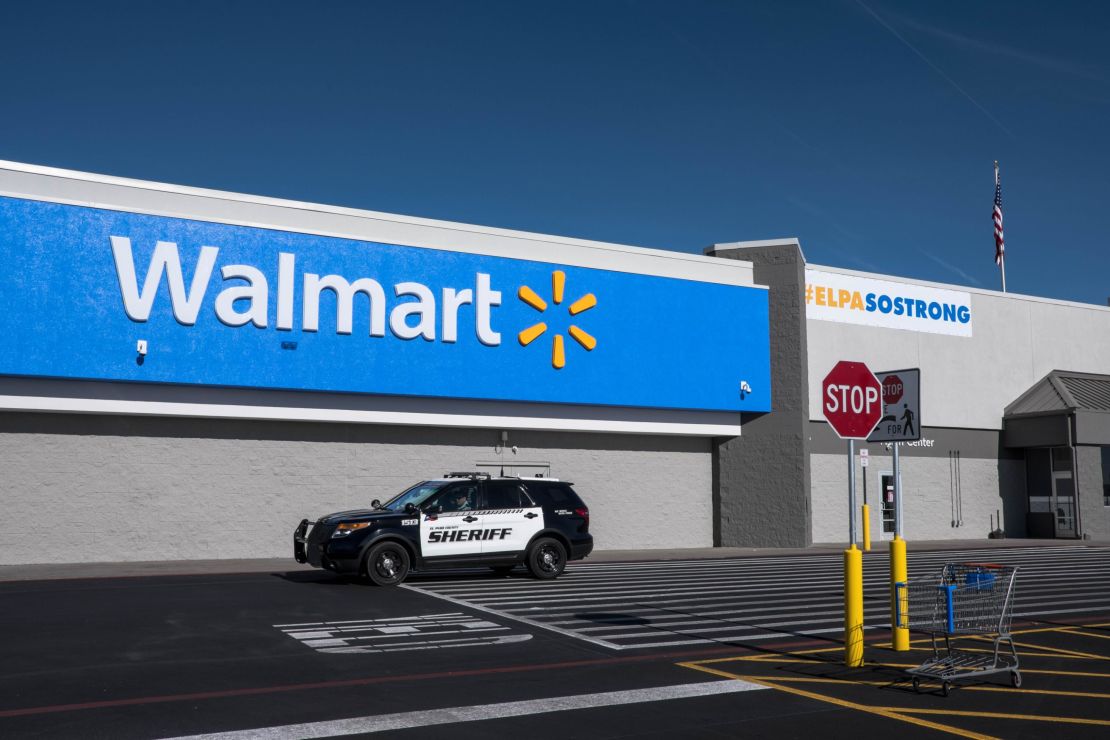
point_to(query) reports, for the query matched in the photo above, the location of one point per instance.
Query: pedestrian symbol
(907, 419)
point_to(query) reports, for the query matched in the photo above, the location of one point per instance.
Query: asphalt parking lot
(679, 648)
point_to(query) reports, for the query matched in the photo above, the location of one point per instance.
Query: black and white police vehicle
(462, 519)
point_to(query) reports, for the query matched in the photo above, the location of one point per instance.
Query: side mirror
(375, 504)
(410, 508)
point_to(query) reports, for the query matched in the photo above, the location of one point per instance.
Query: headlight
(345, 529)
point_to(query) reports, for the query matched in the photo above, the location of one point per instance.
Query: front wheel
(546, 558)
(387, 564)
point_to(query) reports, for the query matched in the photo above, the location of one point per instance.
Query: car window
(415, 495)
(459, 497)
(505, 495)
(554, 494)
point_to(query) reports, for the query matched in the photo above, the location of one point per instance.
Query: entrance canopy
(1063, 409)
(1063, 425)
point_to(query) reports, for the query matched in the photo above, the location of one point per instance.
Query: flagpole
(1001, 257)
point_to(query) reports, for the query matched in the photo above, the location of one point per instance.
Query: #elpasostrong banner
(851, 299)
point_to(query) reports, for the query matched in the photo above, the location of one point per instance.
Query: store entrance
(1050, 481)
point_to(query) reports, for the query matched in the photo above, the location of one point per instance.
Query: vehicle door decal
(447, 531)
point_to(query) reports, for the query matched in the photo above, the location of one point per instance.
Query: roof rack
(466, 475)
(518, 468)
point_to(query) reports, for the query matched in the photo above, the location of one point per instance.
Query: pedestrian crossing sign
(901, 419)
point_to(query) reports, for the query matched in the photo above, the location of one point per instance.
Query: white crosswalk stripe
(738, 600)
(396, 634)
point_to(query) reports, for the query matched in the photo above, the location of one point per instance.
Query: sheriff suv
(462, 519)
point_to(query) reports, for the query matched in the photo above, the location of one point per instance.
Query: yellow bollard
(866, 528)
(853, 607)
(899, 600)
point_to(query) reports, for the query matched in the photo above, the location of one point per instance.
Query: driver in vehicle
(460, 501)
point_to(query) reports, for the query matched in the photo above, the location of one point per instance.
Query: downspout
(1075, 474)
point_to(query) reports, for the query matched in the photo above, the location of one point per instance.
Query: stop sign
(892, 390)
(851, 398)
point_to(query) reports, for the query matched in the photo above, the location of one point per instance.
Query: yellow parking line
(1085, 633)
(1059, 652)
(1080, 674)
(881, 711)
(753, 658)
(1029, 651)
(1001, 715)
(1006, 689)
(714, 671)
(1036, 630)
(778, 659)
(905, 714)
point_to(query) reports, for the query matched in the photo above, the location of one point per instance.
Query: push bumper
(320, 555)
(300, 543)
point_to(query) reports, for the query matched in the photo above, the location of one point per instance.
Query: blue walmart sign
(259, 308)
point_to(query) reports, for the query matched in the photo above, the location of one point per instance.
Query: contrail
(935, 68)
(965, 275)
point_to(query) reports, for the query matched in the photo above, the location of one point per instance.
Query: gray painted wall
(1095, 515)
(928, 503)
(761, 479)
(954, 481)
(1092, 427)
(113, 488)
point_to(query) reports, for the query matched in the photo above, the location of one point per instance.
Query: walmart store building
(187, 373)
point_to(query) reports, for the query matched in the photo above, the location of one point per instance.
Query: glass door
(886, 490)
(1063, 492)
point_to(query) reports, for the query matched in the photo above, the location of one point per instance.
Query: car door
(509, 518)
(448, 528)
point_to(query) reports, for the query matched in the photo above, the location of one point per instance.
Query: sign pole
(897, 493)
(852, 492)
(865, 512)
(851, 400)
(853, 576)
(899, 597)
(901, 422)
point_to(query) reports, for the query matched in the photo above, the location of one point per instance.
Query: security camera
(514, 449)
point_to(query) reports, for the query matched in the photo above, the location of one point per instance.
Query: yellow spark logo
(529, 335)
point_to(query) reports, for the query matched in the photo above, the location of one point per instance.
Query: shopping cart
(962, 600)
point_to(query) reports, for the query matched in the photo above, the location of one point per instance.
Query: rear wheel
(546, 558)
(1015, 679)
(387, 564)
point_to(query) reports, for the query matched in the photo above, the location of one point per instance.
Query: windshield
(415, 495)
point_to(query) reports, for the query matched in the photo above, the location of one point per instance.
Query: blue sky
(868, 130)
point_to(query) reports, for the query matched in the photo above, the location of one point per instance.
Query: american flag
(999, 242)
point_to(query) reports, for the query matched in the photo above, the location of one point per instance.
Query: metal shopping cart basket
(962, 600)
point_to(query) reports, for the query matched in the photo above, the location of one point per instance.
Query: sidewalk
(282, 565)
